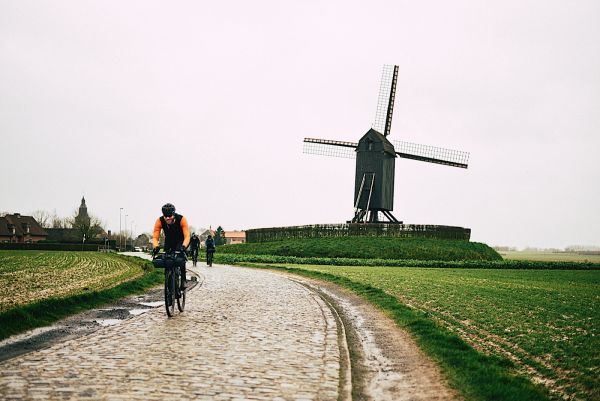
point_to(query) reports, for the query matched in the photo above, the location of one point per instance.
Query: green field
(550, 256)
(545, 321)
(535, 311)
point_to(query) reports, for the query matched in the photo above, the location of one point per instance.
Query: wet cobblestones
(245, 335)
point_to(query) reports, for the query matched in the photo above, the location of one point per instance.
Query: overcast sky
(205, 104)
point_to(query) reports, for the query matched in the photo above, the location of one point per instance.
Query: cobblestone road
(245, 335)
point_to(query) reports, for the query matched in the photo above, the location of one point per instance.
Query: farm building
(235, 237)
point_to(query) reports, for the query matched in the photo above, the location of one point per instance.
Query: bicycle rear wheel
(169, 292)
(181, 297)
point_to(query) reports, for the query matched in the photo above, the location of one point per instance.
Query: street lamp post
(126, 232)
(120, 232)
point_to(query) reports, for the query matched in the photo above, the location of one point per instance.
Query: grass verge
(44, 312)
(476, 376)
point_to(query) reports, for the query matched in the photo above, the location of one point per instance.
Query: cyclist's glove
(155, 251)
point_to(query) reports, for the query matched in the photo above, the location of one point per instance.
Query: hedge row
(358, 229)
(465, 264)
(37, 246)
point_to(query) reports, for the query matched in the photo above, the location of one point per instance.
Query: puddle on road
(31, 333)
(152, 304)
(135, 312)
(108, 322)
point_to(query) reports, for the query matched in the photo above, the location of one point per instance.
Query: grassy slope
(370, 247)
(40, 287)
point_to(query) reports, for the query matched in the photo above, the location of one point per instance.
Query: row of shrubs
(231, 258)
(370, 248)
(41, 246)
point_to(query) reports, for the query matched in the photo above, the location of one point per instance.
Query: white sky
(205, 105)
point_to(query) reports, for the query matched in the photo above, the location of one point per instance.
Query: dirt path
(387, 365)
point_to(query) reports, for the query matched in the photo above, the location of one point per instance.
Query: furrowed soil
(30, 276)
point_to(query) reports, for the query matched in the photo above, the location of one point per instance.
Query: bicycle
(194, 257)
(171, 261)
(209, 257)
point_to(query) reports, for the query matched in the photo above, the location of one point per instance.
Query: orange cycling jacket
(172, 237)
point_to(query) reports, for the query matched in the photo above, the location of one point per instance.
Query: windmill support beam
(391, 217)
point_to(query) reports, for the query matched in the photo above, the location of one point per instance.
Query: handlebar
(172, 252)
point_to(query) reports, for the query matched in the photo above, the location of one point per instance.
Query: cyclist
(210, 246)
(177, 234)
(194, 245)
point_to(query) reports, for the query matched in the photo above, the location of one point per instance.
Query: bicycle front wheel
(181, 297)
(170, 292)
(181, 301)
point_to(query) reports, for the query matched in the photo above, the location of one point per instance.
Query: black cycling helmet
(168, 209)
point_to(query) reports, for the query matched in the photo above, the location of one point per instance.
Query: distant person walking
(194, 247)
(210, 249)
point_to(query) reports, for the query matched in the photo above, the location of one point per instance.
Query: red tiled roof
(235, 234)
(20, 224)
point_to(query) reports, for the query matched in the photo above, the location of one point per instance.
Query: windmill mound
(369, 248)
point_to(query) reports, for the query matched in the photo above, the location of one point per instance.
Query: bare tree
(143, 241)
(42, 217)
(59, 222)
(89, 227)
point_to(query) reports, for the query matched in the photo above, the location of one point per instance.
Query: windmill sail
(431, 154)
(325, 147)
(405, 150)
(385, 102)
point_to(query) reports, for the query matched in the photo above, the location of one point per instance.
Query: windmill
(375, 157)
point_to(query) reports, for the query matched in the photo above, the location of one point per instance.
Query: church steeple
(83, 209)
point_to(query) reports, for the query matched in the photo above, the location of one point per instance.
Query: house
(21, 229)
(235, 237)
(204, 235)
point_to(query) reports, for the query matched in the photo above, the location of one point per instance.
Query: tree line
(92, 227)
